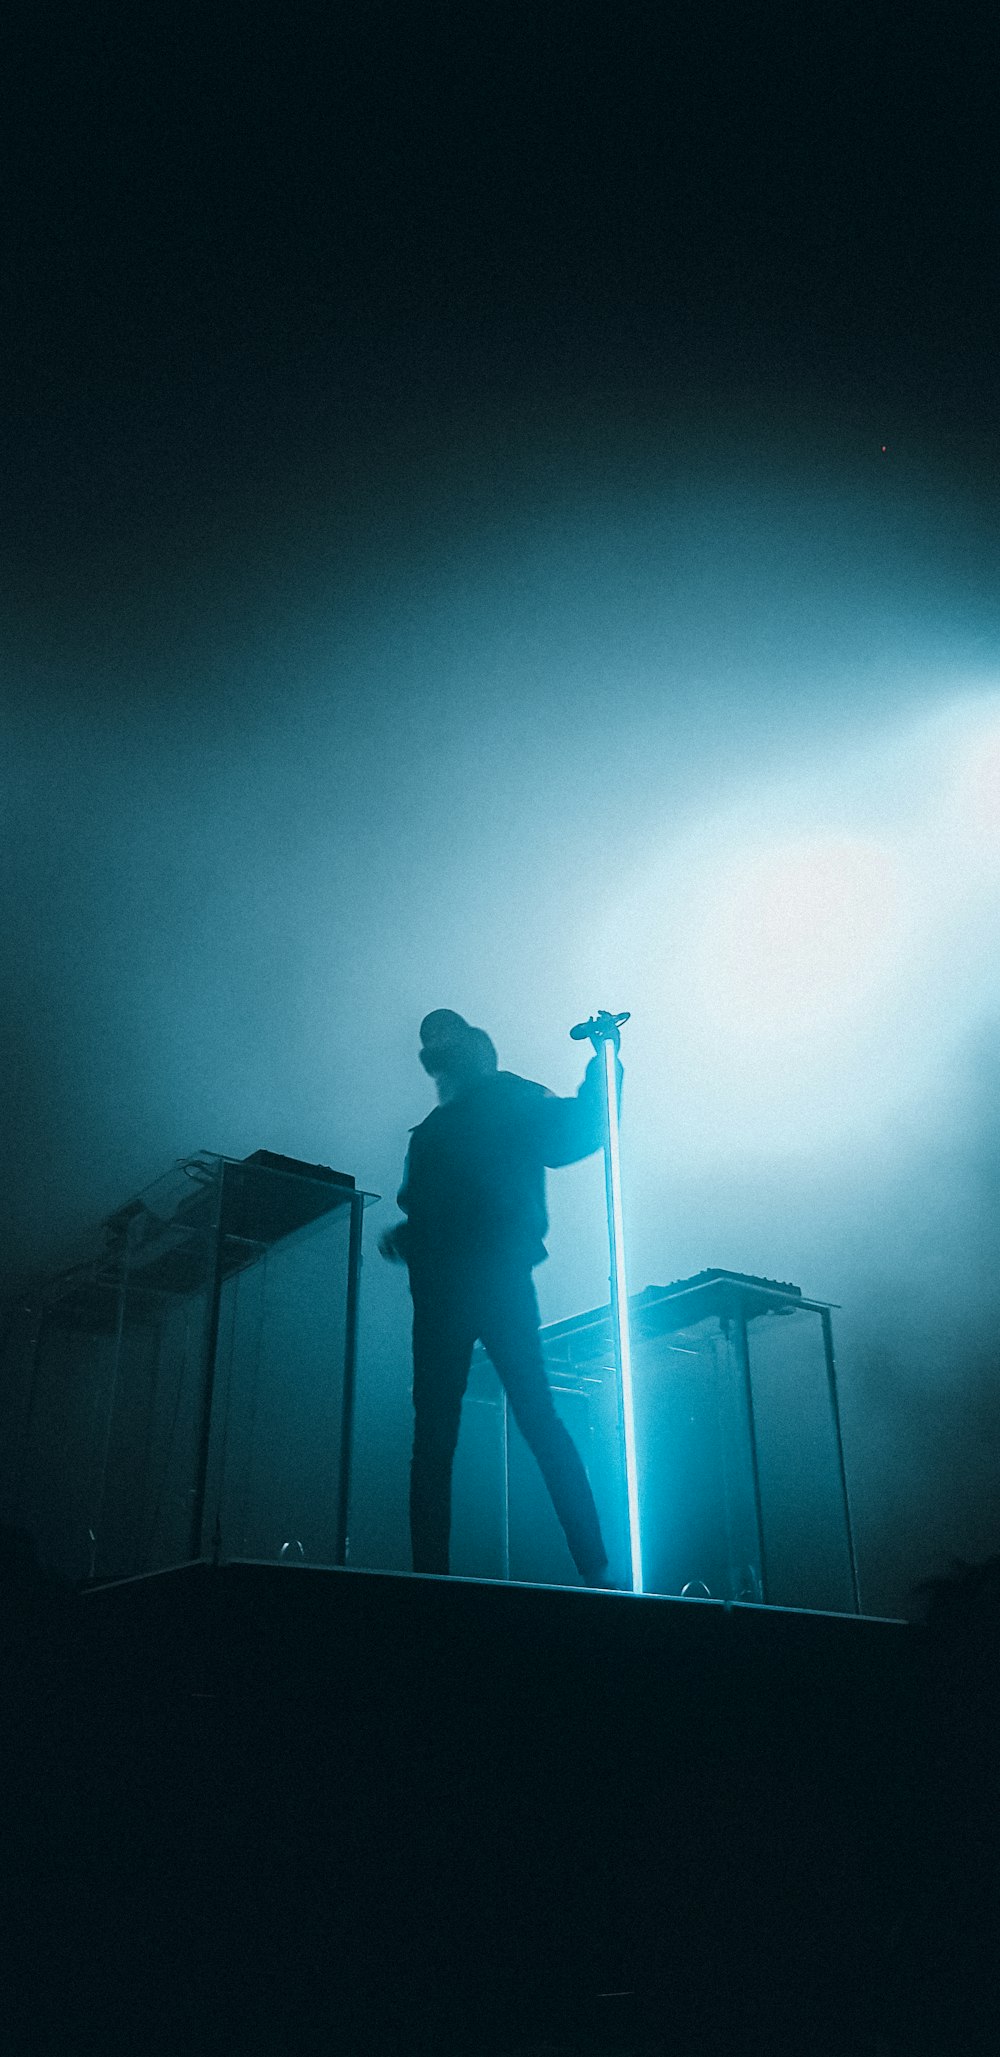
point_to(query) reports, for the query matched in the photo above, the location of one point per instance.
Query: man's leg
(508, 1325)
(442, 1353)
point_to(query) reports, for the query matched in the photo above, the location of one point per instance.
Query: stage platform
(258, 1807)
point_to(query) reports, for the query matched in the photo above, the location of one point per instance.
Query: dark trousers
(499, 1308)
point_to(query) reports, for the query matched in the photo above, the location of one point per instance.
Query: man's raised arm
(571, 1129)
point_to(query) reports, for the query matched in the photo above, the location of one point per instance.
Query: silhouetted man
(473, 1195)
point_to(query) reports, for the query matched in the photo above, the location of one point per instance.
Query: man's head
(454, 1053)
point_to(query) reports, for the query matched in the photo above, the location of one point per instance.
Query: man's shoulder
(523, 1091)
(430, 1121)
(504, 1089)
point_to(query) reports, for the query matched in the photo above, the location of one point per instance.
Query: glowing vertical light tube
(619, 1307)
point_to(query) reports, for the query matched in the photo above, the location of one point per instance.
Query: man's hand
(389, 1243)
(610, 1031)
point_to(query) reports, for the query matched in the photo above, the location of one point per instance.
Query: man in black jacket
(473, 1197)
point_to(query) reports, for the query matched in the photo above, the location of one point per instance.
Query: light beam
(619, 1307)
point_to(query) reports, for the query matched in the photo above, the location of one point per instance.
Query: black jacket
(474, 1184)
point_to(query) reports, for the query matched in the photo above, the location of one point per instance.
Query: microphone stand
(603, 1032)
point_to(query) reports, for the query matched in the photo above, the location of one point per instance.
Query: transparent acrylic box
(186, 1390)
(742, 1485)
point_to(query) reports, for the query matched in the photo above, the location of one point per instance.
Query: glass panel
(279, 1369)
(17, 1362)
(699, 1532)
(805, 1532)
(145, 1486)
(66, 1372)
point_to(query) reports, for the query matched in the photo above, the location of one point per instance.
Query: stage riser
(460, 1804)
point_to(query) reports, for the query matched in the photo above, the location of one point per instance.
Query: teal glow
(619, 1312)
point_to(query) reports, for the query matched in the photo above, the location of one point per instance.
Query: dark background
(481, 485)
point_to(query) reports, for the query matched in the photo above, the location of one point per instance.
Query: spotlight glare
(798, 935)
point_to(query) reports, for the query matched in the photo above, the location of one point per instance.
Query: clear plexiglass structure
(185, 1390)
(742, 1485)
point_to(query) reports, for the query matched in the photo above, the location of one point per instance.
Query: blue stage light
(619, 1299)
(805, 961)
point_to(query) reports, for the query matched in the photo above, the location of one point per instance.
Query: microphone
(598, 1028)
